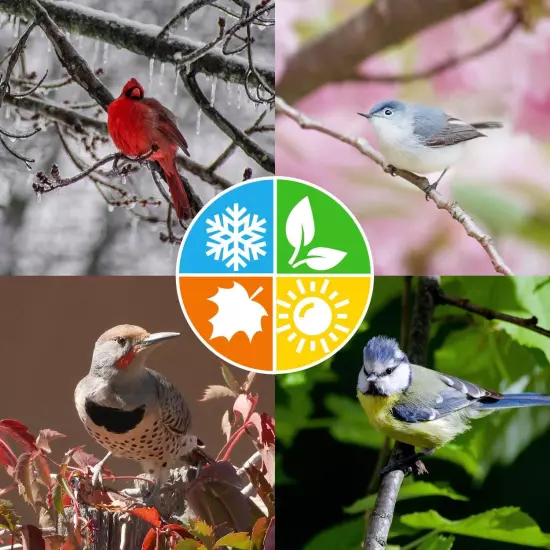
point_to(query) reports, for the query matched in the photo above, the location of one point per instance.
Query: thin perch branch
(381, 519)
(530, 323)
(363, 146)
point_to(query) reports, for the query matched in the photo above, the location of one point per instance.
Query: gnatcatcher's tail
(513, 400)
(486, 125)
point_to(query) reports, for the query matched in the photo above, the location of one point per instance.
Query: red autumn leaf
(83, 459)
(150, 540)
(31, 538)
(244, 406)
(19, 432)
(265, 424)
(258, 533)
(44, 438)
(269, 541)
(7, 456)
(178, 529)
(66, 500)
(148, 514)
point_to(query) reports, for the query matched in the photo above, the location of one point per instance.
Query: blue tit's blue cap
(380, 349)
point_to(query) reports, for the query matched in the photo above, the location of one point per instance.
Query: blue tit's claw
(390, 169)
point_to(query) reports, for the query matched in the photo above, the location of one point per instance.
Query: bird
(136, 124)
(131, 410)
(421, 139)
(422, 407)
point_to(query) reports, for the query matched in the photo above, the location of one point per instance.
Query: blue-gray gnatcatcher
(421, 139)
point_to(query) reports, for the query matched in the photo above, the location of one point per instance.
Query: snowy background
(72, 231)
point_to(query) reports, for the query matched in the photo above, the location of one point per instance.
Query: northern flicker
(131, 410)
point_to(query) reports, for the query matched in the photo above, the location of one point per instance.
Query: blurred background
(327, 452)
(501, 181)
(48, 330)
(73, 231)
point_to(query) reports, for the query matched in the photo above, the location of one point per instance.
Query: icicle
(16, 27)
(213, 91)
(134, 229)
(199, 122)
(186, 23)
(105, 54)
(111, 207)
(96, 52)
(239, 97)
(161, 78)
(124, 179)
(151, 69)
(229, 90)
(176, 82)
(38, 198)
(7, 111)
(49, 46)
(68, 35)
(79, 41)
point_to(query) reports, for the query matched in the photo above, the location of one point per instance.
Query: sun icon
(313, 316)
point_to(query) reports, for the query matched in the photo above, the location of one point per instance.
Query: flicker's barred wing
(174, 412)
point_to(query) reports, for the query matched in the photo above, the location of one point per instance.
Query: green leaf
(241, 541)
(343, 536)
(502, 524)
(408, 491)
(437, 543)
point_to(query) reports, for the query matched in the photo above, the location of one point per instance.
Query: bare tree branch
(184, 13)
(250, 147)
(362, 145)
(452, 62)
(140, 39)
(68, 56)
(334, 56)
(529, 323)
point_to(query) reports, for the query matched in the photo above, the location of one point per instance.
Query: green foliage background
(492, 483)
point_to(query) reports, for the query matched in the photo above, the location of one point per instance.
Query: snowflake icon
(236, 237)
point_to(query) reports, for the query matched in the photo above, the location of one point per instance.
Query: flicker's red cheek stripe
(125, 360)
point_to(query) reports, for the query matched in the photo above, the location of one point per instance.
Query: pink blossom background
(502, 181)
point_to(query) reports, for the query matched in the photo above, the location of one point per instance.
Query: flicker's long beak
(158, 337)
(366, 115)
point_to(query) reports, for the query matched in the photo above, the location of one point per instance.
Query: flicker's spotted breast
(152, 434)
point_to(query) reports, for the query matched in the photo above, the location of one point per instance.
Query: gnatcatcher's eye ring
(388, 112)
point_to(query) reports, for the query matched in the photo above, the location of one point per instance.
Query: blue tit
(422, 407)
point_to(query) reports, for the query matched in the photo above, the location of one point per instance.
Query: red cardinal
(136, 124)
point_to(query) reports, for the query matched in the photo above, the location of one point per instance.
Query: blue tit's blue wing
(438, 395)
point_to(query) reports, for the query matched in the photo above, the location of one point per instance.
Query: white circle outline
(274, 275)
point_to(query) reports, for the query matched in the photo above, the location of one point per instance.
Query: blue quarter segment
(233, 234)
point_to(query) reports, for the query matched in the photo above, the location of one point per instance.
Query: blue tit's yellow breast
(427, 435)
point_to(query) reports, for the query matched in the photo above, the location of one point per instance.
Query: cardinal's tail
(182, 206)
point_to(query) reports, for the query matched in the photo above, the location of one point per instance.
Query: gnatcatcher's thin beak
(158, 337)
(366, 115)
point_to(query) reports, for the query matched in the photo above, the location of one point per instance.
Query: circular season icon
(274, 275)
